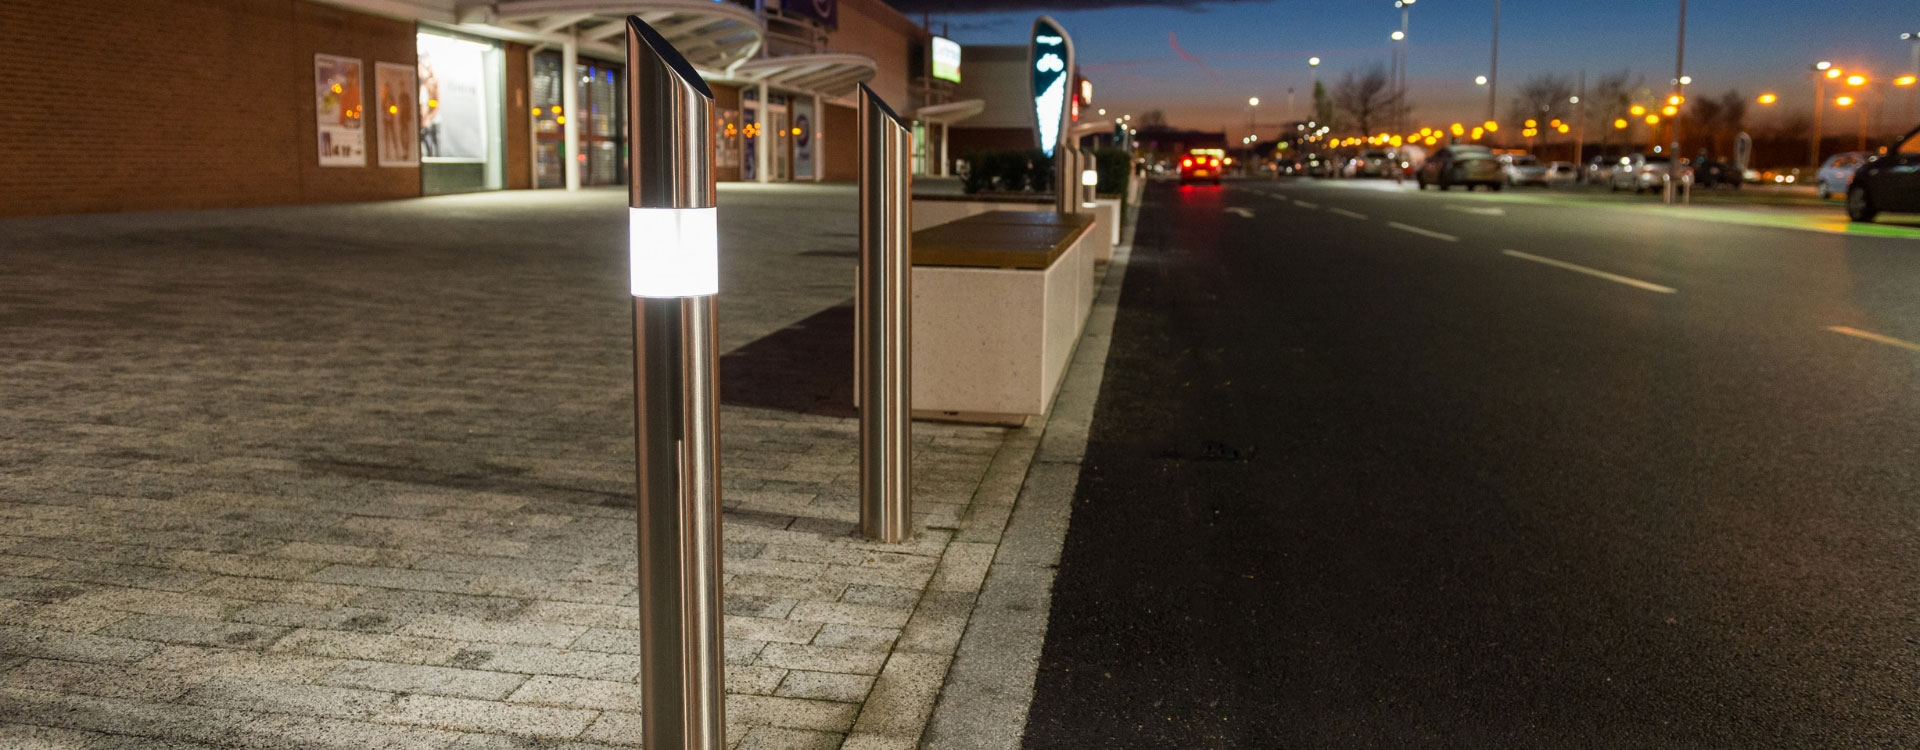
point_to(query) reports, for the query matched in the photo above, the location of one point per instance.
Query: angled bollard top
(872, 102)
(673, 226)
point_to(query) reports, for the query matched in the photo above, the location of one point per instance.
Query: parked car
(1889, 182)
(1640, 173)
(1713, 173)
(1196, 167)
(1374, 163)
(1462, 165)
(1599, 170)
(1836, 173)
(1562, 173)
(1523, 169)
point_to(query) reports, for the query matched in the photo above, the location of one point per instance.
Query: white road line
(1424, 232)
(1480, 211)
(1614, 277)
(1304, 204)
(1888, 340)
(1346, 213)
(1244, 213)
(1276, 196)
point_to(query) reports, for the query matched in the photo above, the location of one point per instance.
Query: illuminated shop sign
(1051, 63)
(946, 59)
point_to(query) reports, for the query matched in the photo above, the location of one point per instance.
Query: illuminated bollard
(674, 238)
(1089, 177)
(884, 339)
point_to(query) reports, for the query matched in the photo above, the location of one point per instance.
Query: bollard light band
(675, 252)
(1089, 177)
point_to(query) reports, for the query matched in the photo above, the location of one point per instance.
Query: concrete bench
(934, 210)
(999, 302)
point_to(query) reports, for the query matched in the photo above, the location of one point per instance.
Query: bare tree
(1609, 99)
(1322, 104)
(1366, 99)
(1543, 97)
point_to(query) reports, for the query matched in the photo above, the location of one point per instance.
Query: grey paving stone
(766, 629)
(753, 680)
(59, 617)
(826, 686)
(49, 644)
(372, 646)
(149, 602)
(903, 695)
(858, 637)
(470, 629)
(194, 631)
(571, 692)
(291, 615)
(778, 738)
(108, 681)
(490, 716)
(414, 678)
(283, 698)
(851, 614)
(821, 659)
(201, 661)
(269, 590)
(549, 661)
(792, 713)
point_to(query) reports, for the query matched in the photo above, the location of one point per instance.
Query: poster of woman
(395, 91)
(338, 109)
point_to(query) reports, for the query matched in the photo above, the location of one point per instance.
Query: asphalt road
(1374, 468)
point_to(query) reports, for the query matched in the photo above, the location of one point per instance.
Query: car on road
(1599, 170)
(1462, 164)
(1374, 163)
(1200, 166)
(1836, 173)
(1888, 182)
(1713, 173)
(1523, 169)
(1562, 173)
(1640, 173)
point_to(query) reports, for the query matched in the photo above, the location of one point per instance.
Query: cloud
(1000, 6)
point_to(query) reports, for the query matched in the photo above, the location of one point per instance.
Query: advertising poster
(803, 140)
(1051, 66)
(453, 100)
(394, 93)
(726, 138)
(338, 110)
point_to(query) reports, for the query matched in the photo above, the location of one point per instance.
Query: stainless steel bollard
(1089, 177)
(1066, 198)
(675, 256)
(884, 337)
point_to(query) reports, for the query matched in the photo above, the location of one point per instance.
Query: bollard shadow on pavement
(805, 368)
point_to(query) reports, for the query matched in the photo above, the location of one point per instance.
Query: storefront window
(460, 114)
(601, 122)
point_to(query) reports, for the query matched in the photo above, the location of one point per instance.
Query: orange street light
(1653, 119)
(1637, 110)
(1856, 80)
(1491, 126)
(1564, 128)
(1620, 124)
(1533, 123)
(1844, 101)
(1904, 81)
(1768, 98)
(1670, 110)
(1833, 72)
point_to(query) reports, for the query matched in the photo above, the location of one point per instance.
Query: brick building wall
(180, 104)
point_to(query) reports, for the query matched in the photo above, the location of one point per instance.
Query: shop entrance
(601, 121)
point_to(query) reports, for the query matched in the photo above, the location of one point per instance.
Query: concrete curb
(989, 688)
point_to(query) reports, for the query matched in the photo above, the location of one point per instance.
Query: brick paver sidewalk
(361, 476)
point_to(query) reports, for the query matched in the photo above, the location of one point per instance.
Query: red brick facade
(180, 104)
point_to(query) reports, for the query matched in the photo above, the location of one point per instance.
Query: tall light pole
(1913, 99)
(1493, 70)
(1400, 111)
(1680, 81)
(1821, 72)
(1253, 109)
(1313, 87)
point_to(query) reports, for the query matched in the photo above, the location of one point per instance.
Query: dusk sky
(1242, 49)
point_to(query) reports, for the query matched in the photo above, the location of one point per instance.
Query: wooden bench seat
(999, 301)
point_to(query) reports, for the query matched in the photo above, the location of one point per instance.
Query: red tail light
(1186, 162)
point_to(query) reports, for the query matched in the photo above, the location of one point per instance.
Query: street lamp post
(1406, 49)
(1680, 81)
(1821, 72)
(1913, 99)
(1493, 69)
(1313, 87)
